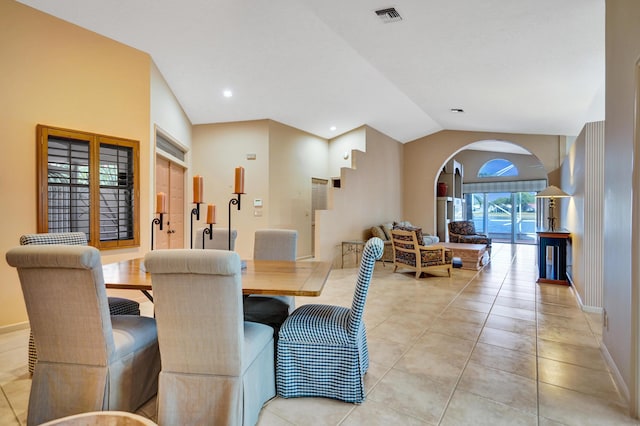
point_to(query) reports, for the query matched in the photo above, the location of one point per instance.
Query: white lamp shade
(552, 191)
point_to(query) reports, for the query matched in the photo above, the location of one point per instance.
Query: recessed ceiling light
(332, 128)
(227, 93)
(457, 110)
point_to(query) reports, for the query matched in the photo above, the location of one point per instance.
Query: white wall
(620, 291)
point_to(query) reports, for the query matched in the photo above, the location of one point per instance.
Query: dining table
(274, 277)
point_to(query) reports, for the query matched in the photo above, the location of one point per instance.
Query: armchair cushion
(464, 231)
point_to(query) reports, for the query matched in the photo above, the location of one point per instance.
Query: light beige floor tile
(511, 324)
(506, 339)
(472, 306)
(7, 416)
(515, 303)
(477, 297)
(517, 313)
(310, 411)
(592, 382)
(463, 315)
(504, 359)
(374, 375)
(463, 330)
(510, 389)
(469, 409)
(577, 355)
(385, 352)
(560, 310)
(374, 413)
(17, 393)
(551, 320)
(401, 333)
(578, 409)
(269, 418)
(516, 294)
(568, 336)
(411, 394)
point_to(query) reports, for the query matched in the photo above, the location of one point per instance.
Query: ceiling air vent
(388, 15)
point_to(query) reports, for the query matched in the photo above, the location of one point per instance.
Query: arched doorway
(498, 190)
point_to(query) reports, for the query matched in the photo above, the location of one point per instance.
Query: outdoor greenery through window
(88, 183)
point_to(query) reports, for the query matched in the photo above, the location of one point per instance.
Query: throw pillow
(415, 229)
(376, 231)
(387, 227)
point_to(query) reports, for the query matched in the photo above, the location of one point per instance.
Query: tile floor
(487, 348)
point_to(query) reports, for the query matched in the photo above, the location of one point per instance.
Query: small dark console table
(552, 256)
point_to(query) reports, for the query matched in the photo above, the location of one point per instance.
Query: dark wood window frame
(123, 221)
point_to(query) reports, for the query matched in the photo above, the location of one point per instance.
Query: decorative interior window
(498, 167)
(89, 183)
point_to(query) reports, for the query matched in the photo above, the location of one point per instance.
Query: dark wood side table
(552, 256)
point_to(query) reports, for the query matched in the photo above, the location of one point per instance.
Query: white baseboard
(617, 377)
(14, 327)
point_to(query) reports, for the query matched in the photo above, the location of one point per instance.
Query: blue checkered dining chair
(322, 349)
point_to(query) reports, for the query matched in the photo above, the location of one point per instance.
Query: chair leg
(418, 273)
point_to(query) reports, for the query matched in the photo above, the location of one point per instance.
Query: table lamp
(552, 192)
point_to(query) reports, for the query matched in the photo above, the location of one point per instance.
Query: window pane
(68, 185)
(116, 193)
(497, 168)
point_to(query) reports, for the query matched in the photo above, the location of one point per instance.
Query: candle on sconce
(239, 186)
(198, 188)
(161, 203)
(211, 214)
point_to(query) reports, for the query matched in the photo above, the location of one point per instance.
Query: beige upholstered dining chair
(216, 368)
(219, 239)
(91, 360)
(276, 244)
(117, 305)
(272, 244)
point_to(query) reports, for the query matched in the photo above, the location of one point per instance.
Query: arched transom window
(498, 167)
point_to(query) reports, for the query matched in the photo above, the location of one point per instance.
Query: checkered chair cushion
(322, 349)
(117, 305)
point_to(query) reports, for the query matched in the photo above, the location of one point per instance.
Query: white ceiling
(516, 66)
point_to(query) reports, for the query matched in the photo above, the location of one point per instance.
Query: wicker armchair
(464, 231)
(408, 253)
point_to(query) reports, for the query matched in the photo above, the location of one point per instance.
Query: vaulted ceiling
(511, 66)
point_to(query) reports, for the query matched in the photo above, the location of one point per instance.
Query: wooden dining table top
(275, 277)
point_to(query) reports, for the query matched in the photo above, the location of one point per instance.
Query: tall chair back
(219, 239)
(117, 305)
(275, 244)
(322, 349)
(101, 362)
(214, 365)
(272, 244)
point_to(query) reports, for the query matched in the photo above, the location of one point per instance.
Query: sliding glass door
(504, 216)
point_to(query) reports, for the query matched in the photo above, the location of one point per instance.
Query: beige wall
(295, 157)
(286, 160)
(370, 193)
(58, 74)
(425, 157)
(344, 144)
(620, 290)
(217, 150)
